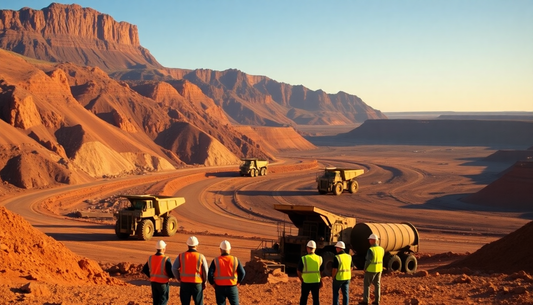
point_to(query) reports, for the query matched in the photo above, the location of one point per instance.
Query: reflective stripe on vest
(311, 270)
(344, 272)
(376, 265)
(190, 267)
(226, 270)
(156, 265)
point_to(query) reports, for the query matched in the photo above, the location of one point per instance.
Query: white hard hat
(160, 245)
(373, 236)
(340, 244)
(192, 241)
(311, 244)
(225, 245)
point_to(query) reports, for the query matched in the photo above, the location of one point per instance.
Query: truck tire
(170, 226)
(409, 263)
(145, 230)
(394, 264)
(354, 186)
(119, 234)
(252, 173)
(327, 261)
(263, 171)
(338, 189)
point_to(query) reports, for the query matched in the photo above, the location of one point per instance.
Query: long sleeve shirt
(168, 267)
(212, 268)
(177, 264)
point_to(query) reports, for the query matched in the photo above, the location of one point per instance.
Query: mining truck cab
(147, 215)
(313, 223)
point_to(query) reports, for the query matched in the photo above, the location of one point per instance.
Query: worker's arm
(369, 258)
(299, 270)
(168, 267)
(211, 273)
(240, 272)
(176, 267)
(146, 270)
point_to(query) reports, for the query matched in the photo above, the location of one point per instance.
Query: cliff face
(70, 33)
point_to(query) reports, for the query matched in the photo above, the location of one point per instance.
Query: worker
(159, 269)
(190, 269)
(309, 269)
(225, 274)
(341, 274)
(372, 270)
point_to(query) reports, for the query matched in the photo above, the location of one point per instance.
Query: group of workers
(190, 269)
(226, 272)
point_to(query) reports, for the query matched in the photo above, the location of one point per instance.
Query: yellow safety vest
(376, 265)
(311, 270)
(190, 267)
(344, 272)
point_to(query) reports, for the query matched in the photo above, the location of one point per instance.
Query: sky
(397, 56)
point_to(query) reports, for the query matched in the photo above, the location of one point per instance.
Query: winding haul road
(397, 187)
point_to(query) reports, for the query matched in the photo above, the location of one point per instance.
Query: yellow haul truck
(337, 180)
(253, 167)
(326, 228)
(147, 215)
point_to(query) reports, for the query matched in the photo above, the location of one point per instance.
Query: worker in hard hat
(309, 269)
(225, 273)
(159, 269)
(341, 274)
(190, 269)
(373, 269)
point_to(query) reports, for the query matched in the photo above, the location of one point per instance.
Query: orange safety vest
(226, 270)
(156, 265)
(191, 267)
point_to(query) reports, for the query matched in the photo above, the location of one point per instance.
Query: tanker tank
(399, 240)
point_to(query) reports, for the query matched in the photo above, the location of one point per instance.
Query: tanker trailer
(399, 241)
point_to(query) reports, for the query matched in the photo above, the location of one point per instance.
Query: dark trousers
(229, 292)
(375, 279)
(314, 288)
(344, 287)
(191, 290)
(160, 293)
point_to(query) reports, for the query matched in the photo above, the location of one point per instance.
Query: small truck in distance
(338, 180)
(253, 167)
(147, 215)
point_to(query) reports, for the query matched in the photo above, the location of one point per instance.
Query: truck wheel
(145, 230)
(394, 264)
(327, 260)
(409, 263)
(338, 189)
(118, 233)
(252, 173)
(170, 226)
(265, 171)
(354, 186)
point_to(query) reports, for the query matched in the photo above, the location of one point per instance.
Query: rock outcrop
(71, 33)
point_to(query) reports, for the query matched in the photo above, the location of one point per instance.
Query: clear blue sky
(396, 55)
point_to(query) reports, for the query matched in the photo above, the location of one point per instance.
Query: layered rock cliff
(71, 33)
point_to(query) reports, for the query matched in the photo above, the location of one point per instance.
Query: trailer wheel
(145, 230)
(338, 189)
(354, 187)
(394, 264)
(170, 226)
(409, 263)
(118, 233)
